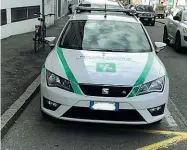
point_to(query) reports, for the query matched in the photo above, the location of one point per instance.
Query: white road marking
(170, 119)
(13, 110)
(182, 118)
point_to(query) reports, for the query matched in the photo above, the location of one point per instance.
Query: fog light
(156, 111)
(185, 38)
(50, 104)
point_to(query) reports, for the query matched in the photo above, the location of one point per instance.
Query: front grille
(101, 90)
(87, 113)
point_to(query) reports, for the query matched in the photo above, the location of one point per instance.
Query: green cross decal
(105, 67)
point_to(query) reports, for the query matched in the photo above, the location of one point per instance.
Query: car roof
(182, 6)
(100, 16)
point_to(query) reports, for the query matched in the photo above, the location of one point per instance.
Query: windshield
(105, 35)
(145, 8)
(185, 16)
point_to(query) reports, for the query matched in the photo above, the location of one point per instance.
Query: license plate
(109, 106)
(145, 19)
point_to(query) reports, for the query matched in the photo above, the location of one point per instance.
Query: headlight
(185, 30)
(54, 80)
(153, 86)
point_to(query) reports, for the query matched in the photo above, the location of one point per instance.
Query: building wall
(51, 6)
(181, 2)
(55, 9)
(64, 7)
(12, 28)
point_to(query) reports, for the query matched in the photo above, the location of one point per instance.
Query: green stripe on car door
(69, 73)
(143, 75)
(167, 75)
(43, 68)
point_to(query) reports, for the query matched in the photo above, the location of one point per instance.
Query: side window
(24, 13)
(32, 11)
(19, 14)
(179, 14)
(185, 16)
(3, 17)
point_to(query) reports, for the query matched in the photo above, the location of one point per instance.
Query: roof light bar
(130, 11)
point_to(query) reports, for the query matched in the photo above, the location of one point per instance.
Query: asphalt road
(32, 131)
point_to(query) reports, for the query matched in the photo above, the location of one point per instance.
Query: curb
(15, 110)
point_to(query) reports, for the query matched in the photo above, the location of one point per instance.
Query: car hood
(144, 12)
(111, 68)
(185, 23)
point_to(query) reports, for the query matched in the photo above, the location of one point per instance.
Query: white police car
(104, 69)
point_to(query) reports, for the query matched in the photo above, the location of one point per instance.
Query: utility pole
(43, 17)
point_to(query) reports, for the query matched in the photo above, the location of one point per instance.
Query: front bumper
(147, 19)
(75, 107)
(184, 40)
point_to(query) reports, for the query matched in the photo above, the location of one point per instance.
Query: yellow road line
(174, 138)
(165, 143)
(156, 131)
(163, 132)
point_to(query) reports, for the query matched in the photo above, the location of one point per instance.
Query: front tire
(165, 36)
(178, 42)
(153, 23)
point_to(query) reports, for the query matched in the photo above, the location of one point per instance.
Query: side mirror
(52, 45)
(176, 18)
(50, 41)
(159, 46)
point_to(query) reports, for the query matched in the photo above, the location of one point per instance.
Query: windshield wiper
(108, 50)
(70, 47)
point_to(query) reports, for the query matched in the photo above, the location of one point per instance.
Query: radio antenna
(105, 9)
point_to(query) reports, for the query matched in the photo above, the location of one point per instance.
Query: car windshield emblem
(105, 91)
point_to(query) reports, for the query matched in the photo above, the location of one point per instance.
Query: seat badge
(105, 91)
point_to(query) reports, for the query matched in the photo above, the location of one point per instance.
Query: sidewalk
(20, 65)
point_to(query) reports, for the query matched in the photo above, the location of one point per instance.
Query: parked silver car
(175, 30)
